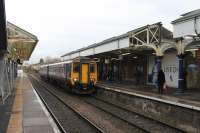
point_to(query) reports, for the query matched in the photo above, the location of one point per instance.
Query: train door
(84, 73)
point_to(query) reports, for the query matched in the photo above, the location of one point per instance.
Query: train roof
(58, 63)
(69, 61)
(78, 59)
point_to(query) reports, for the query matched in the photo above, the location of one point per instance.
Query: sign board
(187, 28)
(169, 66)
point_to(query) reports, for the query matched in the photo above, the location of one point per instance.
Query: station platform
(28, 114)
(181, 111)
(189, 99)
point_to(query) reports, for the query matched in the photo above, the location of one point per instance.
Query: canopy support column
(3, 30)
(181, 75)
(159, 62)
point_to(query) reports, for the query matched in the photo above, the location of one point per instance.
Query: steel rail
(98, 99)
(73, 109)
(51, 113)
(134, 125)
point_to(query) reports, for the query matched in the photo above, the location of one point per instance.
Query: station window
(76, 67)
(92, 68)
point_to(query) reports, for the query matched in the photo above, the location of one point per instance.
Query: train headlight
(75, 79)
(92, 79)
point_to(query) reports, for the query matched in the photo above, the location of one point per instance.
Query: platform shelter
(19, 49)
(136, 56)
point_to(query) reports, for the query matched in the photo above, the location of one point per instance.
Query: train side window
(92, 68)
(68, 70)
(68, 67)
(76, 67)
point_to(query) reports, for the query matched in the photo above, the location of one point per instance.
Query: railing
(7, 75)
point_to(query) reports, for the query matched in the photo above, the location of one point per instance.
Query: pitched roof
(21, 43)
(166, 31)
(188, 15)
(98, 44)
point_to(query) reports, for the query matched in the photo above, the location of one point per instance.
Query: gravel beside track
(142, 122)
(105, 121)
(67, 118)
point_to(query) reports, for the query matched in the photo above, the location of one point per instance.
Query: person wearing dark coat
(161, 81)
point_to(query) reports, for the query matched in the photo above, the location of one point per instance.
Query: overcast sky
(65, 25)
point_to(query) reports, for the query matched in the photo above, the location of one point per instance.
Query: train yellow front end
(78, 75)
(83, 75)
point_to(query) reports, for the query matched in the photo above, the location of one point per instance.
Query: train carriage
(78, 75)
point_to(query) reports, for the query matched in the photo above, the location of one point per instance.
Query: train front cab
(83, 76)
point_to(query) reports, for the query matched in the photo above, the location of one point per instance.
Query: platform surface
(190, 99)
(29, 115)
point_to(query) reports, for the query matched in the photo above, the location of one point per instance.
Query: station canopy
(20, 43)
(142, 40)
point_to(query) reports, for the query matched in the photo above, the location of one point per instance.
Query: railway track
(104, 121)
(138, 122)
(67, 118)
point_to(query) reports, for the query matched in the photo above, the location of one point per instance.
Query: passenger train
(78, 76)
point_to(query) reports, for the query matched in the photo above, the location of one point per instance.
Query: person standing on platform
(161, 81)
(138, 76)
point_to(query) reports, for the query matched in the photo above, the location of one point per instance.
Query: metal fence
(7, 75)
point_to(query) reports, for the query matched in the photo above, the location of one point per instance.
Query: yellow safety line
(15, 122)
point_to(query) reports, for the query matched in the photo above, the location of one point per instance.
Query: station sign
(169, 66)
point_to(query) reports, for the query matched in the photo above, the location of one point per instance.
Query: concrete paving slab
(28, 113)
(35, 121)
(5, 113)
(31, 114)
(38, 129)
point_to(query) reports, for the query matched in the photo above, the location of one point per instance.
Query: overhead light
(126, 53)
(154, 53)
(95, 58)
(113, 58)
(195, 49)
(135, 57)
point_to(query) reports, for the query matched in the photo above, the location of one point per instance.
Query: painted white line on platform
(51, 121)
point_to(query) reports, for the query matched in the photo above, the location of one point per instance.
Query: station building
(136, 56)
(20, 45)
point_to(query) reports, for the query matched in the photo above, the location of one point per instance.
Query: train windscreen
(76, 67)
